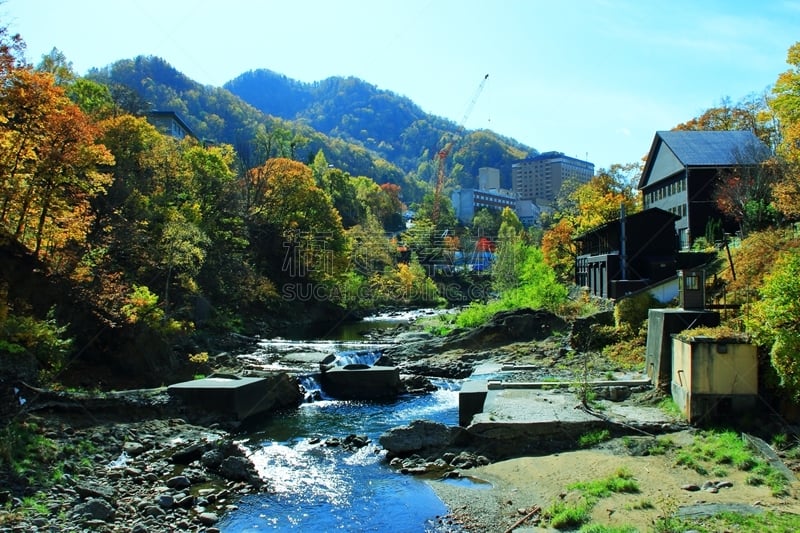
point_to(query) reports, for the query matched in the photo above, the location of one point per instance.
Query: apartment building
(539, 178)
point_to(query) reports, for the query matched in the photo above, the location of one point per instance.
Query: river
(318, 487)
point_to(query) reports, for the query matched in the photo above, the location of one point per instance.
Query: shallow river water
(316, 487)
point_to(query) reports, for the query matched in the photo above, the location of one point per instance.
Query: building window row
(679, 210)
(669, 189)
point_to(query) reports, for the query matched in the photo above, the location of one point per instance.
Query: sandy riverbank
(512, 488)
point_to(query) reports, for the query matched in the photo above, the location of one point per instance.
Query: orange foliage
(559, 249)
(752, 261)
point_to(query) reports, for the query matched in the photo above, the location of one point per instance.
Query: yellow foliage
(199, 358)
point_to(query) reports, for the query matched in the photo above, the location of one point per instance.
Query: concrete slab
(362, 382)
(236, 397)
(516, 411)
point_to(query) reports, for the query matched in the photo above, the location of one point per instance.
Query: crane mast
(442, 154)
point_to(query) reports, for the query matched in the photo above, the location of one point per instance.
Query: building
(169, 123)
(682, 170)
(467, 202)
(627, 254)
(529, 213)
(539, 178)
(488, 178)
(488, 195)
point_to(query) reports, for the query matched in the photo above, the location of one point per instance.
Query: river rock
(178, 482)
(418, 436)
(237, 469)
(94, 509)
(208, 519)
(95, 490)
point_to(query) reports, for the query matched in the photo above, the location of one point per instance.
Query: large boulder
(505, 327)
(419, 436)
(519, 325)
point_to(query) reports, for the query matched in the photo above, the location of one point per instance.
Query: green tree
(510, 252)
(485, 222)
(775, 317)
(56, 63)
(93, 98)
(183, 250)
(371, 251)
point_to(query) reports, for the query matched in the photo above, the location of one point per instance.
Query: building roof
(653, 217)
(697, 148)
(172, 115)
(548, 156)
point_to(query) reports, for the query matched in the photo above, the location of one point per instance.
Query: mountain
(360, 128)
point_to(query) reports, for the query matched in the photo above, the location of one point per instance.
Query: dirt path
(515, 486)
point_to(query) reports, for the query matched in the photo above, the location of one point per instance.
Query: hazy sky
(593, 79)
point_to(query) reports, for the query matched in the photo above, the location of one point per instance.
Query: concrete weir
(362, 382)
(501, 410)
(235, 397)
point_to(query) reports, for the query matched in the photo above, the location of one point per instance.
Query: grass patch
(620, 482)
(600, 528)
(661, 445)
(568, 515)
(669, 406)
(769, 521)
(593, 438)
(571, 515)
(641, 505)
(649, 446)
(716, 452)
(24, 450)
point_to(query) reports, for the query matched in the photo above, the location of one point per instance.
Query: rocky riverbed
(155, 475)
(141, 466)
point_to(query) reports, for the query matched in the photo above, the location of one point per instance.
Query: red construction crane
(442, 154)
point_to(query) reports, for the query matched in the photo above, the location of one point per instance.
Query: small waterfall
(313, 390)
(359, 357)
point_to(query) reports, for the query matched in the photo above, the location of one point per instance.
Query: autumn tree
(752, 113)
(588, 206)
(382, 201)
(50, 161)
(295, 230)
(745, 194)
(559, 249)
(786, 105)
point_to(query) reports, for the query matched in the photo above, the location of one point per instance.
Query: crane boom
(442, 154)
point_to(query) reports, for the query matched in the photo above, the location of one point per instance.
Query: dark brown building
(629, 254)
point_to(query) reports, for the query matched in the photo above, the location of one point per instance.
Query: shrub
(37, 345)
(633, 311)
(773, 319)
(719, 333)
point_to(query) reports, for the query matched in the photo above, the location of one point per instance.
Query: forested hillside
(361, 129)
(382, 121)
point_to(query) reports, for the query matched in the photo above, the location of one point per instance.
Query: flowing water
(317, 487)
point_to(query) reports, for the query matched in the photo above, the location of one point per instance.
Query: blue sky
(593, 79)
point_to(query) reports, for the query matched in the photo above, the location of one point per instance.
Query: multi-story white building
(467, 202)
(539, 178)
